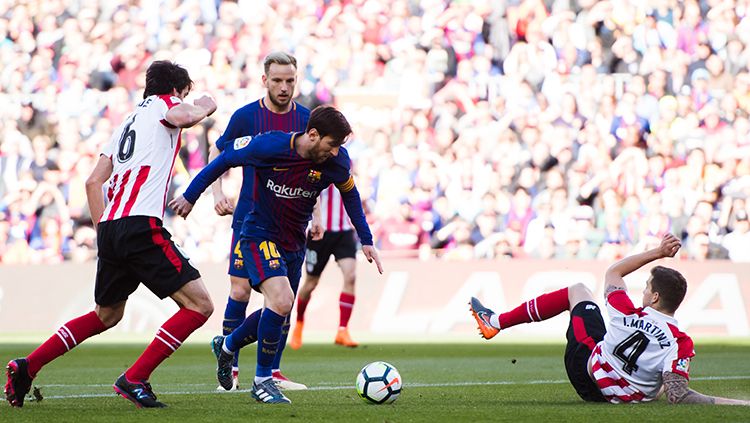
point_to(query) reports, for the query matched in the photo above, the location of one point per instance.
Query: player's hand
(181, 206)
(223, 206)
(206, 103)
(316, 230)
(669, 245)
(372, 255)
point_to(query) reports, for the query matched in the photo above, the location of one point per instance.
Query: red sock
(346, 302)
(68, 336)
(168, 338)
(540, 308)
(301, 307)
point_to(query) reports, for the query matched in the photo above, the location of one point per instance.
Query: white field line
(213, 390)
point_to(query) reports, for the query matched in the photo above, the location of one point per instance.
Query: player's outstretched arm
(613, 279)
(185, 115)
(222, 205)
(94, 195)
(676, 388)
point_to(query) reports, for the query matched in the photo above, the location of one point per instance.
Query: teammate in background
(338, 240)
(642, 355)
(133, 245)
(275, 111)
(291, 170)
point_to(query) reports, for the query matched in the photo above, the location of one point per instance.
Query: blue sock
(234, 315)
(245, 334)
(269, 335)
(252, 324)
(282, 344)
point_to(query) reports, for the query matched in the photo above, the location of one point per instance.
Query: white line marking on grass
(342, 387)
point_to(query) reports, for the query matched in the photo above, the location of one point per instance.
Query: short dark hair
(329, 121)
(280, 58)
(671, 286)
(164, 76)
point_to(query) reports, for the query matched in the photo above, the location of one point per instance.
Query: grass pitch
(443, 382)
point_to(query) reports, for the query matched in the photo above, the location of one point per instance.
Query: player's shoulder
(685, 343)
(300, 109)
(248, 108)
(169, 100)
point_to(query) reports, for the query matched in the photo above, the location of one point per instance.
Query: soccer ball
(379, 383)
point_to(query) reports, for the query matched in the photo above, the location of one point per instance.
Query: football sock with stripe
(68, 336)
(269, 335)
(301, 307)
(168, 338)
(282, 343)
(234, 315)
(540, 308)
(245, 334)
(346, 303)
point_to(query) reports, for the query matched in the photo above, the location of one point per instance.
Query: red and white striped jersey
(143, 150)
(640, 344)
(332, 211)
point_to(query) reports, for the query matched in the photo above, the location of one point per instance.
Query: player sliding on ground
(291, 169)
(641, 355)
(134, 248)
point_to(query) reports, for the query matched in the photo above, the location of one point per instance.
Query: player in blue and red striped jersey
(291, 169)
(640, 356)
(274, 112)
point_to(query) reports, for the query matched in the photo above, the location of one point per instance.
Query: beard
(279, 103)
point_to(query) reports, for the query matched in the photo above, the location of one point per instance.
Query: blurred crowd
(482, 129)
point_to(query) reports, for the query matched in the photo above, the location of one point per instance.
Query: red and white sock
(66, 338)
(346, 303)
(168, 338)
(540, 308)
(301, 307)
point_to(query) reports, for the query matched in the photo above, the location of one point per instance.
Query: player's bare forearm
(678, 392)
(94, 183)
(613, 279)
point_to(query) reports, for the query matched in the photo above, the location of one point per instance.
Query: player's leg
(22, 371)
(114, 283)
(239, 296)
(316, 258)
(346, 302)
(303, 298)
(585, 331)
(167, 272)
(540, 308)
(294, 270)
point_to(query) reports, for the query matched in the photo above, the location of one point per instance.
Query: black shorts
(134, 250)
(586, 329)
(339, 244)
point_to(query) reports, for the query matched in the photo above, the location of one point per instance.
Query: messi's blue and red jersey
(288, 186)
(253, 119)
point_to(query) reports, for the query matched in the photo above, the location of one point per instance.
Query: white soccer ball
(379, 383)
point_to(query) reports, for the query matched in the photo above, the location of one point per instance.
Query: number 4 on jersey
(630, 349)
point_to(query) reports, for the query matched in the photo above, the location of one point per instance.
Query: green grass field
(443, 382)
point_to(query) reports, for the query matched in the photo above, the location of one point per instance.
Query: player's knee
(282, 304)
(110, 317)
(205, 306)
(240, 290)
(578, 293)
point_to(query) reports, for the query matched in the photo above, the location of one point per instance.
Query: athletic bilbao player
(133, 246)
(642, 355)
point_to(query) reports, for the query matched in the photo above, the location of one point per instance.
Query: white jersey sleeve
(640, 344)
(143, 150)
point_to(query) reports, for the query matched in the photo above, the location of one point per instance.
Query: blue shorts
(265, 260)
(236, 261)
